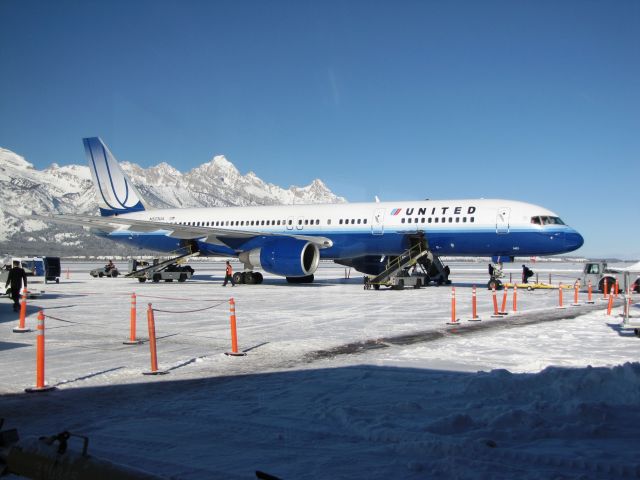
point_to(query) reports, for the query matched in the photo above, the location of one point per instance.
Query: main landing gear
(255, 278)
(250, 278)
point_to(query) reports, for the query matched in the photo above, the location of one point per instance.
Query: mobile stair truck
(416, 267)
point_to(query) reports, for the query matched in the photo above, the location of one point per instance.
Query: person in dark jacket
(526, 274)
(17, 278)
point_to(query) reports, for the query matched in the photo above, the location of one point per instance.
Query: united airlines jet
(290, 240)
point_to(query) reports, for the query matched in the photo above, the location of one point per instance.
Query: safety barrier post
(496, 313)
(515, 298)
(234, 334)
(454, 320)
(503, 310)
(550, 279)
(560, 299)
(616, 289)
(610, 304)
(21, 328)
(132, 323)
(606, 288)
(576, 288)
(590, 293)
(68, 273)
(40, 386)
(474, 306)
(151, 322)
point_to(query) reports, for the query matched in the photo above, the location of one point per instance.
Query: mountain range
(25, 190)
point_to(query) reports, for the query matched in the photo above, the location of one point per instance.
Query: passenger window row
(352, 221)
(259, 223)
(341, 221)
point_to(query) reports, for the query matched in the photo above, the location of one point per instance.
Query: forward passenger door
(377, 222)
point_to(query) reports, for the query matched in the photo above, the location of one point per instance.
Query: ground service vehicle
(598, 271)
(104, 272)
(156, 271)
(37, 269)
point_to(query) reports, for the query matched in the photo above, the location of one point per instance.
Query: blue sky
(528, 100)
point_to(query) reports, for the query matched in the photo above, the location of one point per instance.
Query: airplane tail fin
(116, 193)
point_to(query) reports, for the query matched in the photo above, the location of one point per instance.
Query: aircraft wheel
(239, 277)
(259, 278)
(610, 283)
(250, 278)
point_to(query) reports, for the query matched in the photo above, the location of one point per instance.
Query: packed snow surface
(337, 381)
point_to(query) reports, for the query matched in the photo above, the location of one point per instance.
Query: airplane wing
(220, 236)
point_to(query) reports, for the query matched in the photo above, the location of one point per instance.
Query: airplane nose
(573, 240)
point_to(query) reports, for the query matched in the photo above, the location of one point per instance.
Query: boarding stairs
(405, 260)
(147, 272)
(419, 254)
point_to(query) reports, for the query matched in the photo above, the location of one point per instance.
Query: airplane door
(290, 223)
(502, 220)
(377, 222)
(299, 222)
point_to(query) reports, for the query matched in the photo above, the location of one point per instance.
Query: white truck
(598, 272)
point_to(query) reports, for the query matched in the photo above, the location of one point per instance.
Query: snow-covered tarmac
(338, 382)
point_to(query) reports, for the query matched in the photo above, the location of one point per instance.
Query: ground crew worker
(228, 275)
(17, 278)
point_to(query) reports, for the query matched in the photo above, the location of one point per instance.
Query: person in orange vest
(228, 275)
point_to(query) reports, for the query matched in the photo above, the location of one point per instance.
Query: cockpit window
(546, 220)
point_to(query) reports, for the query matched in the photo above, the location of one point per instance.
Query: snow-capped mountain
(68, 189)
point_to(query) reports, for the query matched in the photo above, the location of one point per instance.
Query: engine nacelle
(285, 256)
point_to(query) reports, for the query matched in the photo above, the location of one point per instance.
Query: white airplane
(290, 240)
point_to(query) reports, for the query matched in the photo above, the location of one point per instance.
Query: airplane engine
(284, 256)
